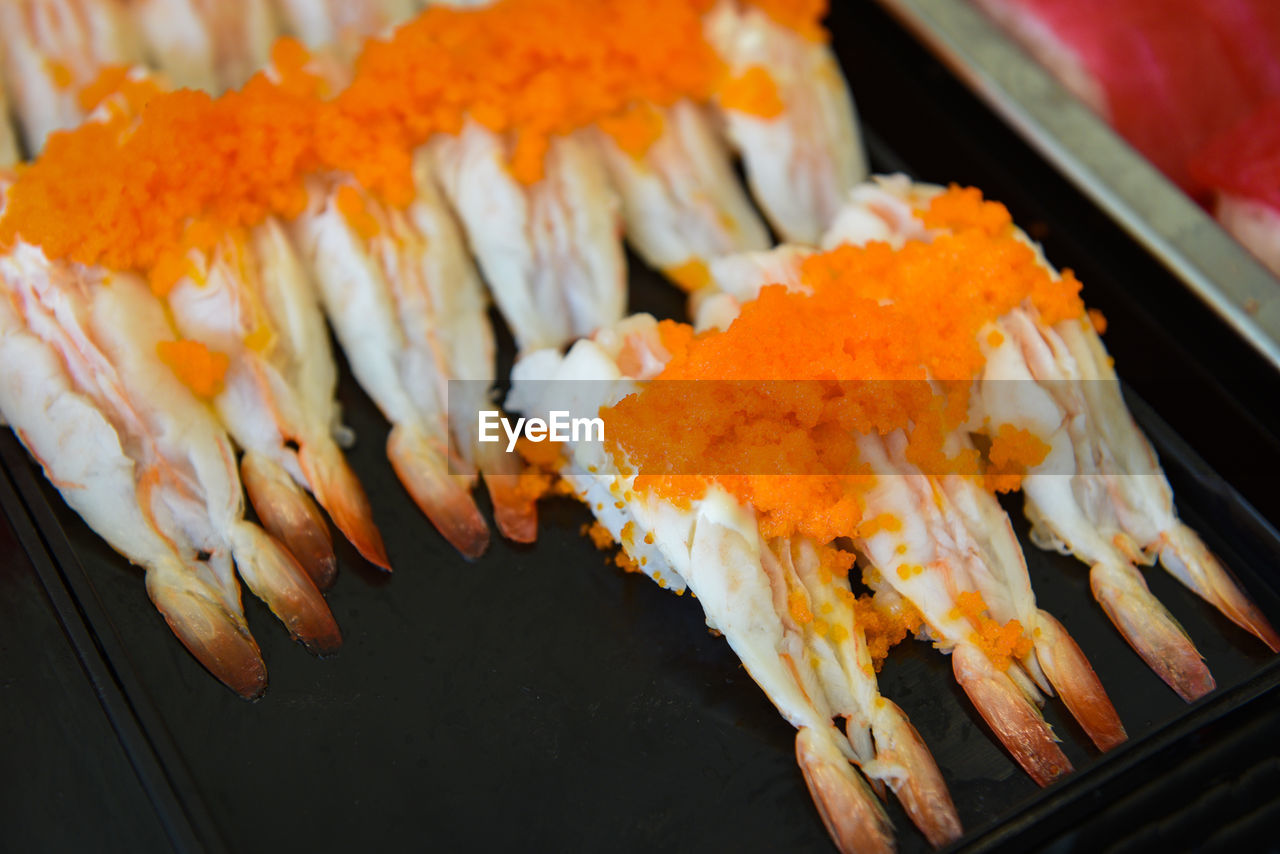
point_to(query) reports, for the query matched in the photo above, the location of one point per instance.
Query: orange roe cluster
(541, 478)
(1013, 451)
(801, 374)
(885, 624)
(599, 534)
(753, 92)
(1002, 643)
(199, 368)
(139, 190)
(135, 194)
(535, 68)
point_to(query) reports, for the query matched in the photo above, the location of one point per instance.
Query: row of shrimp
(403, 289)
(947, 552)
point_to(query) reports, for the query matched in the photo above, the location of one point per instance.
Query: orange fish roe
(59, 73)
(136, 195)
(754, 93)
(599, 534)
(1001, 643)
(798, 606)
(1013, 451)
(692, 275)
(200, 369)
(140, 189)
(875, 325)
(634, 129)
(884, 625)
(351, 204)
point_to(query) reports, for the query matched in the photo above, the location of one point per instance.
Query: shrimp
(952, 538)
(250, 299)
(212, 45)
(1099, 493)
(51, 50)
(681, 200)
(746, 585)
(551, 251)
(409, 310)
(801, 146)
(342, 25)
(947, 536)
(142, 461)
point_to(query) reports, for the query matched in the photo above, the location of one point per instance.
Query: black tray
(541, 699)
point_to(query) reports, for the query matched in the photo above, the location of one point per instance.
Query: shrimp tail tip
(219, 641)
(1189, 559)
(1077, 684)
(275, 577)
(289, 515)
(340, 493)
(1150, 629)
(515, 513)
(443, 497)
(1013, 718)
(852, 815)
(923, 794)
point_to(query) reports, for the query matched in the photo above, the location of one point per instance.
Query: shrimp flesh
(745, 585)
(250, 299)
(342, 25)
(212, 45)
(409, 310)
(551, 252)
(950, 537)
(802, 161)
(681, 201)
(143, 461)
(1100, 493)
(51, 50)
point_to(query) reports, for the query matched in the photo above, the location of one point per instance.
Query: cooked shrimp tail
(276, 578)
(1185, 555)
(1073, 678)
(1013, 718)
(922, 792)
(445, 498)
(289, 515)
(849, 809)
(1150, 629)
(515, 510)
(218, 639)
(339, 492)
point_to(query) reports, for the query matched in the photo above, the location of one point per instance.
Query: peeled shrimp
(951, 537)
(54, 48)
(342, 25)
(212, 45)
(1100, 493)
(550, 252)
(142, 461)
(681, 200)
(409, 311)
(250, 299)
(803, 161)
(745, 585)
